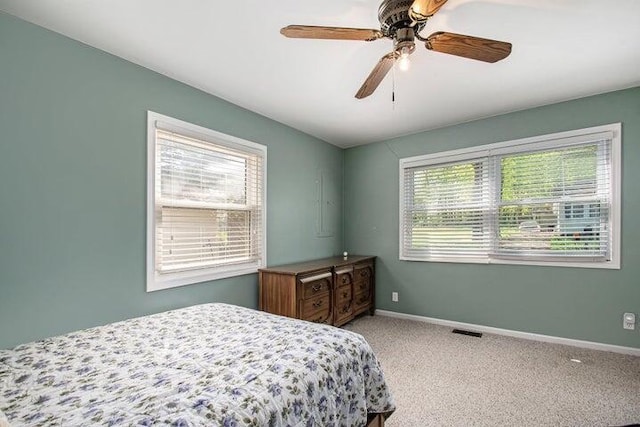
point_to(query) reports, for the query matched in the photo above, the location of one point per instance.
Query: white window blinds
(555, 203)
(551, 200)
(209, 203)
(208, 206)
(445, 210)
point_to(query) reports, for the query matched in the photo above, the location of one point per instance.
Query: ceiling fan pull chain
(393, 85)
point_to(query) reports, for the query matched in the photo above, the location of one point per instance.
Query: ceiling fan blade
(468, 47)
(330, 33)
(421, 10)
(377, 74)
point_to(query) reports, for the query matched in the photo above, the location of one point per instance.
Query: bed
(209, 364)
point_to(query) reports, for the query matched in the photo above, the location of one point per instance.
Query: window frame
(156, 281)
(536, 143)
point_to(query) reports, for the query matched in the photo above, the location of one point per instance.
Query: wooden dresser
(329, 290)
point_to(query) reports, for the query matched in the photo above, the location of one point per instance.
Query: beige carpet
(444, 379)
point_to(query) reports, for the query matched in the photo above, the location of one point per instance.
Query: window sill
(608, 265)
(158, 282)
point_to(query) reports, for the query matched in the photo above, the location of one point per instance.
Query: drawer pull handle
(317, 303)
(345, 279)
(316, 277)
(316, 288)
(345, 294)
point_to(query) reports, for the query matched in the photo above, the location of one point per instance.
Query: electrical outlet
(394, 296)
(629, 321)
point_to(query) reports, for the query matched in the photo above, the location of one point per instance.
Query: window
(205, 204)
(549, 200)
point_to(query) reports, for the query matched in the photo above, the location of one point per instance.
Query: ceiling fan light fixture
(403, 60)
(404, 46)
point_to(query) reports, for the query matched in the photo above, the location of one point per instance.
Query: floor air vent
(470, 333)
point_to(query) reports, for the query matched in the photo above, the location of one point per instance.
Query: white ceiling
(562, 49)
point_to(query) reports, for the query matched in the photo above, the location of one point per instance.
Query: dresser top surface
(316, 264)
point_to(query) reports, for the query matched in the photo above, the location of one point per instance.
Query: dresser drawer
(363, 272)
(344, 276)
(316, 284)
(361, 302)
(344, 312)
(343, 293)
(317, 309)
(362, 288)
(320, 317)
(316, 304)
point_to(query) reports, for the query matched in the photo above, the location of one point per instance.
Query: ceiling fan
(402, 21)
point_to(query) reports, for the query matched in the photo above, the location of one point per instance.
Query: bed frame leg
(376, 420)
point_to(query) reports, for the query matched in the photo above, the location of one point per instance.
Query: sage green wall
(72, 185)
(583, 304)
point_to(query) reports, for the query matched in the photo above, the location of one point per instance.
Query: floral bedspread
(210, 364)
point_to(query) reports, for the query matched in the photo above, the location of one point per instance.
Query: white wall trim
(516, 334)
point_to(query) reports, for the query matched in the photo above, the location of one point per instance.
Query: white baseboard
(517, 334)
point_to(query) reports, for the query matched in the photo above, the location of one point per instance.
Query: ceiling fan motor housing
(394, 15)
